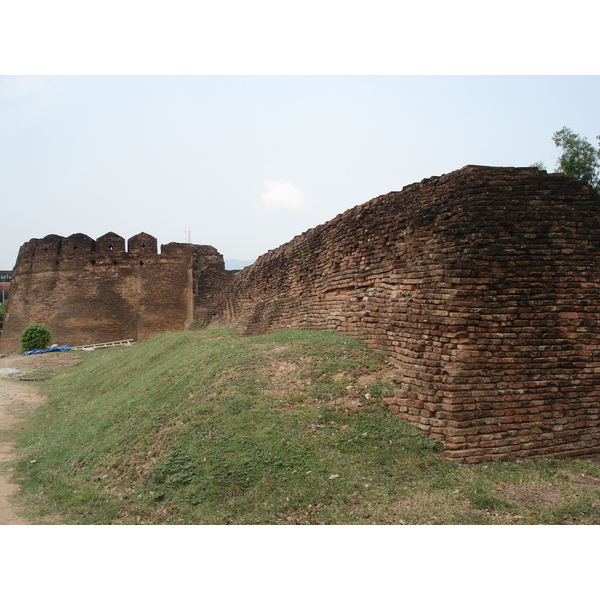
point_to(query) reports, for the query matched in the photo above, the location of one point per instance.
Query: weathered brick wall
(210, 282)
(482, 288)
(89, 290)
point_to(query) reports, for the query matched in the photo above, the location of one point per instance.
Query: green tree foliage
(2, 312)
(579, 158)
(35, 337)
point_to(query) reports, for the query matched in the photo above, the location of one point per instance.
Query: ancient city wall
(90, 291)
(481, 286)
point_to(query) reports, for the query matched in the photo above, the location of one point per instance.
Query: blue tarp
(53, 349)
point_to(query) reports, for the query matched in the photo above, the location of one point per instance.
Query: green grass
(290, 427)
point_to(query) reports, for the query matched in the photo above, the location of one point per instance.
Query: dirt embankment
(18, 397)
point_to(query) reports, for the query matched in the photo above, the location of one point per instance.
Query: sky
(245, 163)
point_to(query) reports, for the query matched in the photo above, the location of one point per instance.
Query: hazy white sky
(246, 162)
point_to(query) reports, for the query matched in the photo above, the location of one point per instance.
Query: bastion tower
(92, 291)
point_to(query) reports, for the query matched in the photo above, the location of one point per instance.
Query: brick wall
(89, 290)
(480, 286)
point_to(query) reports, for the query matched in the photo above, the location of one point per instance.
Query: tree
(579, 159)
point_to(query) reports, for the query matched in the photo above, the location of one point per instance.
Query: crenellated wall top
(110, 244)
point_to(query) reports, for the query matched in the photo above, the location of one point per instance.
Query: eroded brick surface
(480, 286)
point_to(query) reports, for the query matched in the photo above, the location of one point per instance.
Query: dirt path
(16, 399)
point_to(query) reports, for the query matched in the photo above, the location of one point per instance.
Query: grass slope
(290, 427)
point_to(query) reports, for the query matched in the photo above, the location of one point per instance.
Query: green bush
(2, 312)
(35, 337)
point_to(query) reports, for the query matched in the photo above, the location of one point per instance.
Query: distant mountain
(233, 264)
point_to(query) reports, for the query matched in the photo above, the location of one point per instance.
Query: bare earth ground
(17, 398)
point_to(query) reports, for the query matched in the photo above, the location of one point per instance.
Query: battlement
(79, 249)
(80, 245)
(86, 289)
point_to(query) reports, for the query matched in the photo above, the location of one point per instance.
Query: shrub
(2, 312)
(35, 337)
